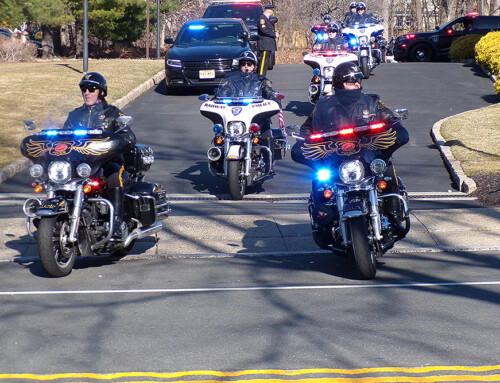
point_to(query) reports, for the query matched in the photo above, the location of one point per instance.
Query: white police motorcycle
(239, 153)
(368, 40)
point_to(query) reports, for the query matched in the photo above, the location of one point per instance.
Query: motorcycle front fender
(364, 52)
(233, 153)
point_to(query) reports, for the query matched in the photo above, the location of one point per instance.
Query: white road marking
(249, 288)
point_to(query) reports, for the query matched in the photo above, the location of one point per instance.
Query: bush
(12, 49)
(488, 55)
(463, 48)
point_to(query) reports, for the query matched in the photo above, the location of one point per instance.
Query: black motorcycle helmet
(360, 6)
(353, 5)
(96, 79)
(344, 72)
(327, 17)
(248, 56)
(333, 29)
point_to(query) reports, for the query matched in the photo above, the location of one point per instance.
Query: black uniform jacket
(100, 116)
(236, 84)
(267, 33)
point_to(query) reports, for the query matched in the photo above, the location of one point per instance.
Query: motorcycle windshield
(54, 142)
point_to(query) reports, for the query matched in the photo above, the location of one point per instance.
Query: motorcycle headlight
(373, 39)
(59, 171)
(351, 172)
(236, 129)
(378, 166)
(83, 170)
(36, 170)
(363, 39)
(328, 71)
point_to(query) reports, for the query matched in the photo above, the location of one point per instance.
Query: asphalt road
(303, 313)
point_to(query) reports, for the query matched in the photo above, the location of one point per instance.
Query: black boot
(120, 230)
(395, 214)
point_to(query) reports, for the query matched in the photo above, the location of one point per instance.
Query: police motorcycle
(347, 204)
(369, 41)
(323, 63)
(74, 216)
(239, 154)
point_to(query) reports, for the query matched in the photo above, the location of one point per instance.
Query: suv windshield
(210, 34)
(249, 13)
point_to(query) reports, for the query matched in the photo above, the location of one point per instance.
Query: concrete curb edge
(20, 165)
(465, 184)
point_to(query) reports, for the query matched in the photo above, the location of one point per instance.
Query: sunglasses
(246, 63)
(353, 81)
(90, 88)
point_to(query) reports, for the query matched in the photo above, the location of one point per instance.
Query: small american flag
(281, 120)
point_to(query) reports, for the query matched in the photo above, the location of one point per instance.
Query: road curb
(465, 184)
(22, 164)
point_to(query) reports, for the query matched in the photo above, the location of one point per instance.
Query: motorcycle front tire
(365, 260)
(364, 67)
(236, 179)
(56, 256)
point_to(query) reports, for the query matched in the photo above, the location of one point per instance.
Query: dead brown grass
(474, 140)
(28, 89)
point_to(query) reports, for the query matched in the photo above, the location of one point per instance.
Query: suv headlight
(236, 129)
(59, 171)
(351, 172)
(174, 63)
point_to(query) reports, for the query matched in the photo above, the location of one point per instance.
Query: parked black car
(204, 51)
(435, 45)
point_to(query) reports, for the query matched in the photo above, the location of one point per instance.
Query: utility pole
(147, 28)
(85, 36)
(158, 29)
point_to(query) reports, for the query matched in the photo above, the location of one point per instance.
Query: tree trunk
(51, 42)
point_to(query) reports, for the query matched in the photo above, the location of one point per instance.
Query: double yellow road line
(364, 375)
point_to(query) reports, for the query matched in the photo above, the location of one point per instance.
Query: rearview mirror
(124, 120)
(254, 37)
(401, 113)
(273, 19)
(168, 40)
(204, 97)
(29, 125)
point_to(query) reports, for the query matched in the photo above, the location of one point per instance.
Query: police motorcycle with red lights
(366, 36)
(245, 147)
(326, 55)
(358, 205)
(78, 213)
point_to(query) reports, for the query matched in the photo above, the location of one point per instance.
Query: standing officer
(267, 42)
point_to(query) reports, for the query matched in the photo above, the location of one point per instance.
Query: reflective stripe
(261, 72)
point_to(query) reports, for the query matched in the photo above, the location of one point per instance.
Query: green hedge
(463, 47)
(488, 55)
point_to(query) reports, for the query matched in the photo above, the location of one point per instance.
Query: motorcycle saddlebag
(279, 149)
(138, 159)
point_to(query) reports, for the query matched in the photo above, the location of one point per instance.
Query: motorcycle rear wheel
(360, 249)
(236, 179)
(57, 257)
(364, 67)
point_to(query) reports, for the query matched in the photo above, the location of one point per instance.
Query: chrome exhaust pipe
(214, 153)
(138, 233)
(313, 89)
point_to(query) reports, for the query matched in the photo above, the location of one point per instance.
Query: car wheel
(421, 53)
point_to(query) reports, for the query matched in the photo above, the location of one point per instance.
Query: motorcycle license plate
(207, 74)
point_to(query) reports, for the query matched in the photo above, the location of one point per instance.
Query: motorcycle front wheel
(236, 179)
(360, 250)
(56, 254)
(364, 66)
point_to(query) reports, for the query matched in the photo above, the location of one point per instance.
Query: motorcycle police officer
(352, 16)
(349, 106)
(334, 40)
(267, 42)
(363, 17)
(96, 113)
(246, 83)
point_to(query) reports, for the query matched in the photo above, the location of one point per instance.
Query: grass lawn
(27, 90)
(474, 139)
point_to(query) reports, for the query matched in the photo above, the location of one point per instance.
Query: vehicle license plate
(207, 74)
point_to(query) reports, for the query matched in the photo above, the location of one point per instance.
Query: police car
(435, 45)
